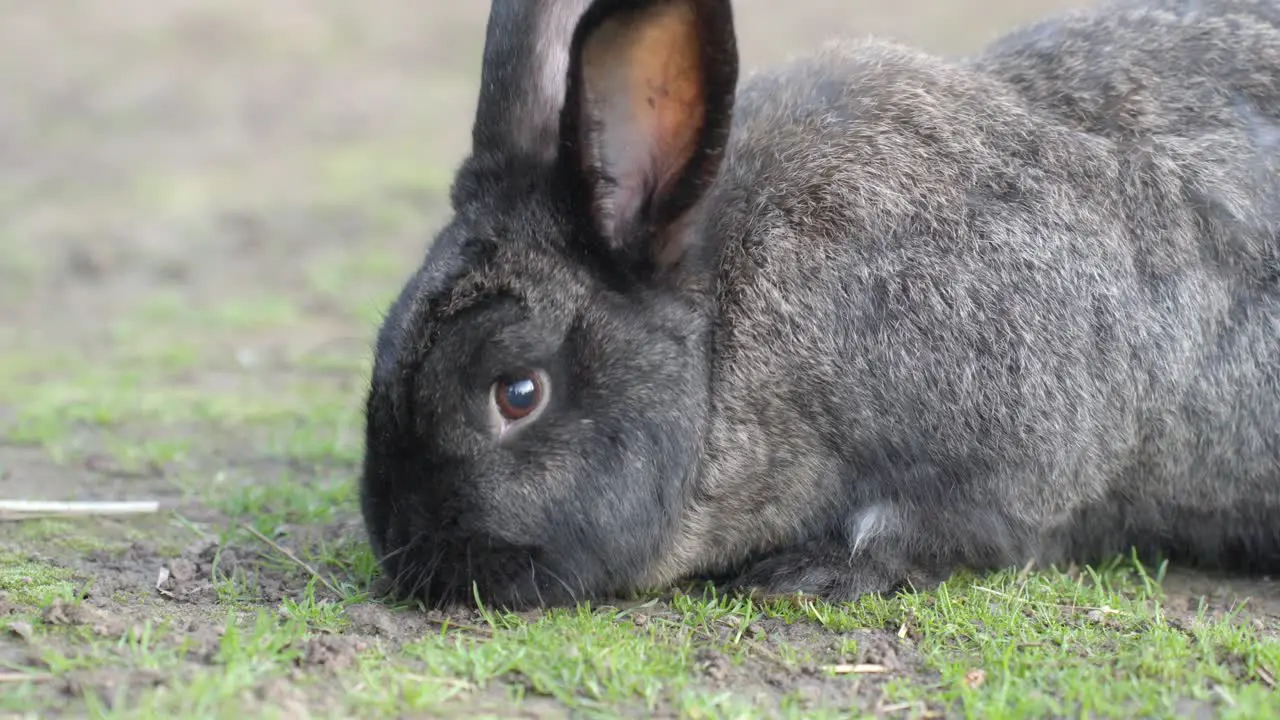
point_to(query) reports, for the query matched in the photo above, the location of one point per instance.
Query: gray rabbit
(848, 326)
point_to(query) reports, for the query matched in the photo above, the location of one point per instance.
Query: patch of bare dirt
(28, 472)
(1252, 600)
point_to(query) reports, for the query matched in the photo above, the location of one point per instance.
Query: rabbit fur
(858, 321)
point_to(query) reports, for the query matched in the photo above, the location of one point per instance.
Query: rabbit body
(926, 314)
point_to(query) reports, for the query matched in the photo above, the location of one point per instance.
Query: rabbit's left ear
(647, 117)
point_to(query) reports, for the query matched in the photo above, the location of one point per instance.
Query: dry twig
(862, 669)
(35, 509)
(20, 677)
(292, 558)
(1075, 608)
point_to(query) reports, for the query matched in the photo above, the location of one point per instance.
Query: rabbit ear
(647, 116)
(522, 76)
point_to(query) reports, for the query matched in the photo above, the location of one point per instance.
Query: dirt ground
(193, 164)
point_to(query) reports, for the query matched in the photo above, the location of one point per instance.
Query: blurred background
(197, 153)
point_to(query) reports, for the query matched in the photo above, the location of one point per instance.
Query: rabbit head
(539, 385)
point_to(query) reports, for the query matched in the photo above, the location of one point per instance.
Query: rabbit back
(1022, 305)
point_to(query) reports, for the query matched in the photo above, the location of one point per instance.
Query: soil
(165, 149)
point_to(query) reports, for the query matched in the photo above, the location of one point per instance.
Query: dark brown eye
(518, 396)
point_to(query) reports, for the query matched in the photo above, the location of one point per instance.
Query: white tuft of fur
(868, 524)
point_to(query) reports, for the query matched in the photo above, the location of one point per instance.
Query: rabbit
(845, 325)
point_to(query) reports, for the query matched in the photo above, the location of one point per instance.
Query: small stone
(183, 570)
(22, 630)
(713, 664)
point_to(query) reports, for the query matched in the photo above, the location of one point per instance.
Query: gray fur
(944, 313)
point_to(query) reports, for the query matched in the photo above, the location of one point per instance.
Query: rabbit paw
(831, 574)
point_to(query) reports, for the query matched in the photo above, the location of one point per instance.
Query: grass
(32, 583)
(1040, 648)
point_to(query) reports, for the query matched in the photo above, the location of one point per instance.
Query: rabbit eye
(518, 396)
